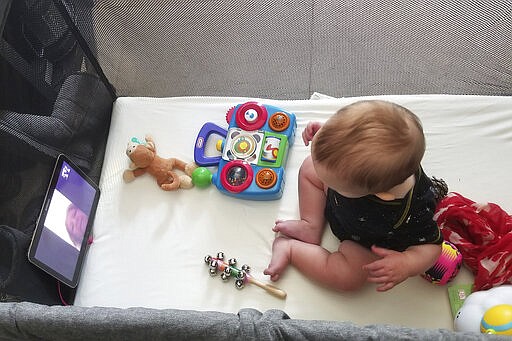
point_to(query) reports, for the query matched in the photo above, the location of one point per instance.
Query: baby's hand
(388, 271)
(310, 131)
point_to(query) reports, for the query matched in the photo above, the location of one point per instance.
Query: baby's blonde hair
(374, 145)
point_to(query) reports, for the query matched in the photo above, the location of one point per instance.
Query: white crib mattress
(149, 245)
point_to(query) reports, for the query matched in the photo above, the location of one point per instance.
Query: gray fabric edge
(23, 320)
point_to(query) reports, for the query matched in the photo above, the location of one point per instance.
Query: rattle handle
(268, 287)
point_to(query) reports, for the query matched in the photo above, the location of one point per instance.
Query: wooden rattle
(228, 269)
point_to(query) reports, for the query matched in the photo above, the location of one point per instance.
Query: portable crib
(81, 77)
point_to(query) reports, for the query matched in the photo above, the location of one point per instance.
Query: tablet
(60, 239)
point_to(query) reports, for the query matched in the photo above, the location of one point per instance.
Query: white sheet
(149, 245)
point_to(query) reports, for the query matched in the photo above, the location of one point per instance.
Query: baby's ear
(386, 196)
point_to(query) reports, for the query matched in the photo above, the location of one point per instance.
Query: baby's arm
(395, 267)
(310, 227)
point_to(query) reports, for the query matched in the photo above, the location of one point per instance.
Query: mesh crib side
(54, 99)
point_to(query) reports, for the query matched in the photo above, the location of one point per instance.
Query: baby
(76, 224)
(364, 177)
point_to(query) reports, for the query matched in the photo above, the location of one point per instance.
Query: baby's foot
(280, 258)
(299, 229)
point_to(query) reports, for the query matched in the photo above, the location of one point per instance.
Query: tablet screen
(59, 243)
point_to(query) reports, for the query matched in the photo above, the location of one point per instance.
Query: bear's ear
(151, 146)
(142, 156)
(150, 143)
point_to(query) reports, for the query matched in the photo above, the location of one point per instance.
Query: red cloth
(483, 235)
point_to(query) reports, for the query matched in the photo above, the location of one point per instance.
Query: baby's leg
(280, 260)
(299, 229)
(341, 270)
(311, 206)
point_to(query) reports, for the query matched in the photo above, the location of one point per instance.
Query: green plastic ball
(201, 177)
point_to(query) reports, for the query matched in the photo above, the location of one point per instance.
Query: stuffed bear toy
(145, 160)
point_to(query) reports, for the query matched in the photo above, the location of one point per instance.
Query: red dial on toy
(229, 114)
(251, 116)
(236, 176)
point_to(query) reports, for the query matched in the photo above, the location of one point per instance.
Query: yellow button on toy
(218, 145)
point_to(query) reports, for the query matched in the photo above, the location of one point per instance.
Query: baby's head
(368, 147)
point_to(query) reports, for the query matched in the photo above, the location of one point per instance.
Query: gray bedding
(32, 321)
